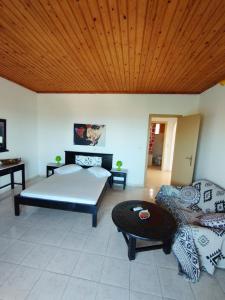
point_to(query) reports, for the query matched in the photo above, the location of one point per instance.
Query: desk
(10, 170)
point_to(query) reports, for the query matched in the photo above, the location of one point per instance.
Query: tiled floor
(50, 254)
(156, 177)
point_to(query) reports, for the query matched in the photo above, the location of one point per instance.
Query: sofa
(199, 209)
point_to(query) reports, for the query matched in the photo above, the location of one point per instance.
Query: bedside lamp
(58, 159)
(119, 165)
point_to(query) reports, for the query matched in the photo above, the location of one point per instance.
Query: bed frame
(70, 157)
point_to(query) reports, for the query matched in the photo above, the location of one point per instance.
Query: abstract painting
(89, 135)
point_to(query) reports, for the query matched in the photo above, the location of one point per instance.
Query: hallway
(156, 178)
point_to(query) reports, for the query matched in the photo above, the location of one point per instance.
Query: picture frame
(89, 134)
(3, 135)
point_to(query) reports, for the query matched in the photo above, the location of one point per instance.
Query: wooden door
(185, 149)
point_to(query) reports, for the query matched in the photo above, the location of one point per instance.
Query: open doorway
(162, 133)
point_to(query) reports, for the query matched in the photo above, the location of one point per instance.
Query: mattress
(80, 187)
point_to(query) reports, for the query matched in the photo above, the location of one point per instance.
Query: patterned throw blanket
(196, 248)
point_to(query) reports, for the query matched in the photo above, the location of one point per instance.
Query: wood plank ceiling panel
(113, 46)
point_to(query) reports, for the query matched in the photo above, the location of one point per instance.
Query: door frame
(148, 137)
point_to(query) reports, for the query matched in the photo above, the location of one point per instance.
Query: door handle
(189, 158)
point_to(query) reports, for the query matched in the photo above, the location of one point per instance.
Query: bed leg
(94, 219)
(16, 207)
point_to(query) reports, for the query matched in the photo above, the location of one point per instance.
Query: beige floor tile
(82, 223)
(16, 231)
(6, 270)
(89, 266)
(50, 286)
(117, 246)
(34, 235)
(116, 272)
(97, 242)
(4, 244)
(146, 257)
(74, 241)
(144, 278)
(207, 288)
(163, 260)
(174, 286)
(142, 296)
(16, 252)
(18, 285)
(220, 276)
(156, 178)
(64, 261)
(53, 237)
(106, 292)
(79, 289)
(39, 257)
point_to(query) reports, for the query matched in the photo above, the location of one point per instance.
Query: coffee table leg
(131, 248)
(167, 245)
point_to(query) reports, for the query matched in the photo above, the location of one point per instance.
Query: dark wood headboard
(70, 157)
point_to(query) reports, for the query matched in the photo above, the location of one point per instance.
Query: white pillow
(68, 169)
(99, 172)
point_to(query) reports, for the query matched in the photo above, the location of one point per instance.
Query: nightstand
(121, 174)
(51, 167)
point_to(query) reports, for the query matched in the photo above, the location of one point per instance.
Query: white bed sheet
(80, 187)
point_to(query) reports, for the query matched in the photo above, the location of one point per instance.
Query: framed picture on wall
(89, 135)
(3, 135)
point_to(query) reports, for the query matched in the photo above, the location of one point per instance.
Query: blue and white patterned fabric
(212, 197)
(196, 248)
(168, 191)
(189, 194)
(88, 161)
(183, 247)
(215, 220)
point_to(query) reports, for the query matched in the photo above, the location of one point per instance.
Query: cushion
(99, 172)
(189, 194)
(216, 220)
(192, 217)
(68, 169)
(88, 161)
(212, 197)
(168, 191)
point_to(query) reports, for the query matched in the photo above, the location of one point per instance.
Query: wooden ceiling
(113, 46)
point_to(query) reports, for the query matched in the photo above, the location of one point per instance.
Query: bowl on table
(10, 161)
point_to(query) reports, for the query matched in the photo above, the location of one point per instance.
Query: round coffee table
(160, 227)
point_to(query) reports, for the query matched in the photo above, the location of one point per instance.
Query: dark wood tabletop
(159, 226)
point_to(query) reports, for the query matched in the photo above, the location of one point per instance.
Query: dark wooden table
(10, 170)
(160, 227)
(121, 174)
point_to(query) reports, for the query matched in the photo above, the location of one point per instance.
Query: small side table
(122, 174)
(51, 167)
(159, 228)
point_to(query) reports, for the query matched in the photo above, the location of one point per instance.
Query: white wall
(211, 150)
(125, 116)
(19, 106)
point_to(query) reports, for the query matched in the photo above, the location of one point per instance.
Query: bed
(81, 191)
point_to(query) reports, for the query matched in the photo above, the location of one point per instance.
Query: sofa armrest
(168, 191)
(209, 243)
